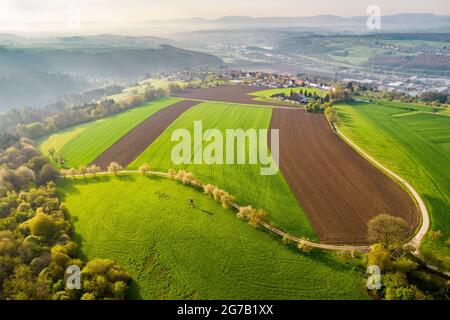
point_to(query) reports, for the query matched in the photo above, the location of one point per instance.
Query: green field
(416, 146)
(265, 95)
(244, 181)
(357, 54)
(82, 144)
(406, 106)
(139, 88)
(175, 252)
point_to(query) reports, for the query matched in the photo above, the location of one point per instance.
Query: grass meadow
(173, 251)
(265, 95)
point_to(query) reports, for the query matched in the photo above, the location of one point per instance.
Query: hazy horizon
(53, 15)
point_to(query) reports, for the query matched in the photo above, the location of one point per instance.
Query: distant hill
(96, 41)
(404, 22)
(112, 41)
(124, 63)
(426, 36)
(36, 74)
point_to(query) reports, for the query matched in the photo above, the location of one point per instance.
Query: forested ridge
(36, 236)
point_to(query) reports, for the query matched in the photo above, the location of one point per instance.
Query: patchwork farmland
(130, 145)
(82, 144)
(325, 191)
(335, 187)
(238, 94)
(338, 189)
(244, 181)
(248, 160)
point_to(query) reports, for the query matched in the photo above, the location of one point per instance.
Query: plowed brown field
(127, 148)
(228, 93)
(339, 190)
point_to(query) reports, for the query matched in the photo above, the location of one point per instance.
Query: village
(256, 79)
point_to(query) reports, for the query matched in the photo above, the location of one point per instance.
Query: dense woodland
(420, 62)
(34, 123)
(40, 74)
(429, 98)
(36, 236)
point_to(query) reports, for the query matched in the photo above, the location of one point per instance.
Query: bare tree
(52, 153)
(244, 212)
(64, 172)
(208, 189)
(256, 216)
(185, 176)
(226, 199)
(144, 169)
(73, 172)
(304, 247)
(114, 167)
(83, 171)
(61, 160)
(217, 193)
(252, 215)
(172, 173)
(93, 169)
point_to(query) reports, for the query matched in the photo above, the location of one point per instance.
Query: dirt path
(339, 190)
(132, 144)
(425, 223)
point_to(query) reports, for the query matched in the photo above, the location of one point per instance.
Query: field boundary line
(265, 225)
(249, 104)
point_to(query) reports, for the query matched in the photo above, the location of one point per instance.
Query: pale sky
(26, 14)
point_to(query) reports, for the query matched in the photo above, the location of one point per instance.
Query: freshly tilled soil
(339, 190)
(227, 93)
